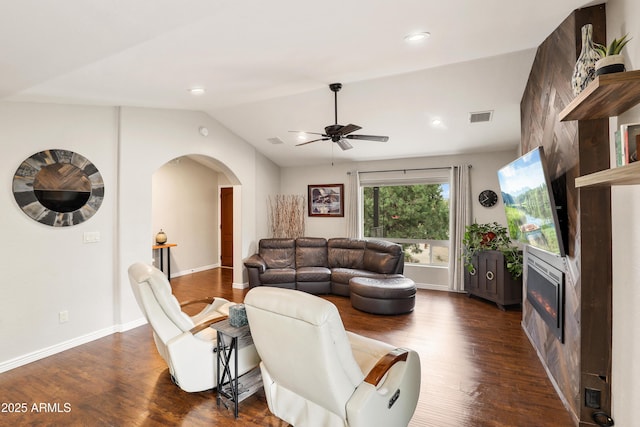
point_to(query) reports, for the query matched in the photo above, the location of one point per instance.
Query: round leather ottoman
(394, 295)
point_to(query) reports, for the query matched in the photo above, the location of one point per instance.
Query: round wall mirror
(58, 188)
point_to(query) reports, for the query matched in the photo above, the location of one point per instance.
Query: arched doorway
(187, 206)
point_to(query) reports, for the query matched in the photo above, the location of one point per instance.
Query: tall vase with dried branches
(286, 215)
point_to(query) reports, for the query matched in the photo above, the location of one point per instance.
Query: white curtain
(352, 208)
(460, 200)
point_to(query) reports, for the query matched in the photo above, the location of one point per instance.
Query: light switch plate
(91, 237)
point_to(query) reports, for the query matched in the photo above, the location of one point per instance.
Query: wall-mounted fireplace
(545, 292)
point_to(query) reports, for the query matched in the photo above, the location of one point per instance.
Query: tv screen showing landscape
(529, 204)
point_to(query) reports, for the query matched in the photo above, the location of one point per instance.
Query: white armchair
(185, 342)
(317, 374)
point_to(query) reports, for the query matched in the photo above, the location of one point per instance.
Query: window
(416, 215)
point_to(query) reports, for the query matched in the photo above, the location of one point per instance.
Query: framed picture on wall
(326, 200)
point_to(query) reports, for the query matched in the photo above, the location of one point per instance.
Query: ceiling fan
(339, 133)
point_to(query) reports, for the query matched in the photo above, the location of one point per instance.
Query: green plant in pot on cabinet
(493, 264)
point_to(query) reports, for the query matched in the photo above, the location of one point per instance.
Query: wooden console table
(168, 247)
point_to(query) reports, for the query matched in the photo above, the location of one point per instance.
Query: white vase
(585, 69)
(610, 64)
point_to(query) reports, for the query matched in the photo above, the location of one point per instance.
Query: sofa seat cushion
(313, 274)
(343, 275)
(278, 275)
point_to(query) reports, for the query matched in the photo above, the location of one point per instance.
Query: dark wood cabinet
(491, 280)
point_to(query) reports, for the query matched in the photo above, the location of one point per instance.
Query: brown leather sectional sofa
(321, 266)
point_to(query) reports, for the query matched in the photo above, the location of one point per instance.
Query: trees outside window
(415, 215)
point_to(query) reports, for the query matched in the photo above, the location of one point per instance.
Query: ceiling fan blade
(310, 133)
(309, 142)
(349, 128)
(369, 137)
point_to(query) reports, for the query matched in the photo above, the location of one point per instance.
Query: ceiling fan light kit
(344, 144)
(338, 133)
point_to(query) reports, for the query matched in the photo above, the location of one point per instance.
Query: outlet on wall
(63, 316)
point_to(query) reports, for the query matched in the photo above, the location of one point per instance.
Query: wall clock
(488, 198)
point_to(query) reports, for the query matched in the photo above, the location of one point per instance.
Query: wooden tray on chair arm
(384, 364)
(204, 325)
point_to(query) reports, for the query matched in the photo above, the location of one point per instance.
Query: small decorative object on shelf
(161, 237)
(238, 315)
(625, 143)
(611, 59)
(585, 69)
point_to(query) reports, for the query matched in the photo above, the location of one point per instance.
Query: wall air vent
(480, 116)
(275, 140)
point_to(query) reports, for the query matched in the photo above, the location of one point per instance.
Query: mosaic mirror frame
(58, 188)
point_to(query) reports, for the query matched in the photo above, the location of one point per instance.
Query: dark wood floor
(478, 369)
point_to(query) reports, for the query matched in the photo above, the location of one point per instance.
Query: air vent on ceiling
(275, 140)
(480, 116)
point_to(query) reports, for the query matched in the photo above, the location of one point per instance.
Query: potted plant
(611, 60)
(487, 237)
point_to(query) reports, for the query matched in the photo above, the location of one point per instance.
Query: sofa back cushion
(278, 253)
(311, 252)
(382, 257)
(346, 253)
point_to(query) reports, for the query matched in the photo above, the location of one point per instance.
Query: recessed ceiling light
(417, 37)
(436, 122)
(197, 91)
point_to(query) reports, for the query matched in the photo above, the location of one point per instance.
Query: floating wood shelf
(623, 175)
(608, 95)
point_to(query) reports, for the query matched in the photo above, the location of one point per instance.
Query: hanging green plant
(491, 237)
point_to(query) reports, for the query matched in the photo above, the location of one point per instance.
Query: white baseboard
(131, 325)
(195, 270)
(66, 345)
(432, 287)
(240, 285)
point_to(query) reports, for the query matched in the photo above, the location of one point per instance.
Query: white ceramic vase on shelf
(585, 69)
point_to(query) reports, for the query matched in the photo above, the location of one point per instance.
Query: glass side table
(230, 340)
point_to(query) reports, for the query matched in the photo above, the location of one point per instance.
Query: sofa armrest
(384, 364)
(256, 261)
(207, 300)
(393, 400)
(204, 325)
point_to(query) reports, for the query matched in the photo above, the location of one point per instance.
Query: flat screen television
(529, 203)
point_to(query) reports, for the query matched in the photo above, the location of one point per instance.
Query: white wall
(483, 176)
(267, 178)
(149, 139)
(185, 206)
(47, 270)
(623, 16)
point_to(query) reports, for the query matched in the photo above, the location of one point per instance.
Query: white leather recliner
(317, 374)
(185, 342)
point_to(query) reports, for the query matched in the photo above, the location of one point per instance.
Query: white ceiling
(266, 66)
